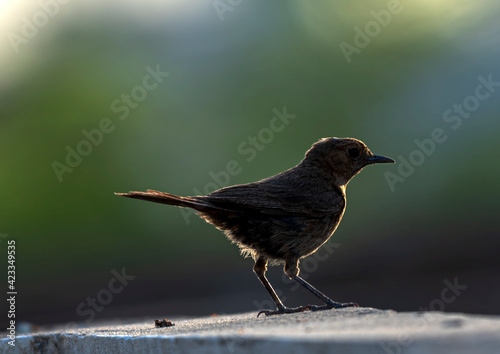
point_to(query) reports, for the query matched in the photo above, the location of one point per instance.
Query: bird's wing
(278, 199)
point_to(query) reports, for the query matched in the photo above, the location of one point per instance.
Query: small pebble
(163, 323)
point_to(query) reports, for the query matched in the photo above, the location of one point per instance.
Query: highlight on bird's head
(343, 157)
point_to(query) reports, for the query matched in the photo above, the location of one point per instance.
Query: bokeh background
(230, 65)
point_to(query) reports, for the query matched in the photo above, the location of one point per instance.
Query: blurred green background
(63, 66)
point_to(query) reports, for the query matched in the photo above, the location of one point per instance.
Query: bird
(286, 217)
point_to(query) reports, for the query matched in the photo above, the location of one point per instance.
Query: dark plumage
(285, 217)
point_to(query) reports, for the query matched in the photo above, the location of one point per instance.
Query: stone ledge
(350, 330)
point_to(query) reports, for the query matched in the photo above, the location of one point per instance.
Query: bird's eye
(353, 153)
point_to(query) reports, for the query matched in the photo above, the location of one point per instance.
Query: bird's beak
(379, 159)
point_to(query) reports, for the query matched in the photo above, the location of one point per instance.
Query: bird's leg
(259, 269)
(329, 302)
(292, 270)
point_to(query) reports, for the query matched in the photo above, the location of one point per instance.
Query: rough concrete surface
(350, 330)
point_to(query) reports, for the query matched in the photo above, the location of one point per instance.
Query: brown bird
(286, 217)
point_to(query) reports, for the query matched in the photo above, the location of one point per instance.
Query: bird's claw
(332, 305)
(284, 310)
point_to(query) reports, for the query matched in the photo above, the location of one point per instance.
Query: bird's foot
(329, 306)
(332, 305)
(284, 309)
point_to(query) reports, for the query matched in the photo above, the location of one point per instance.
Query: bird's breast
(317, 232)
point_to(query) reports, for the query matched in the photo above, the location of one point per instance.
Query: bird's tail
(167, 198)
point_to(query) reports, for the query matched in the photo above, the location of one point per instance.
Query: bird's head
(342, 158)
